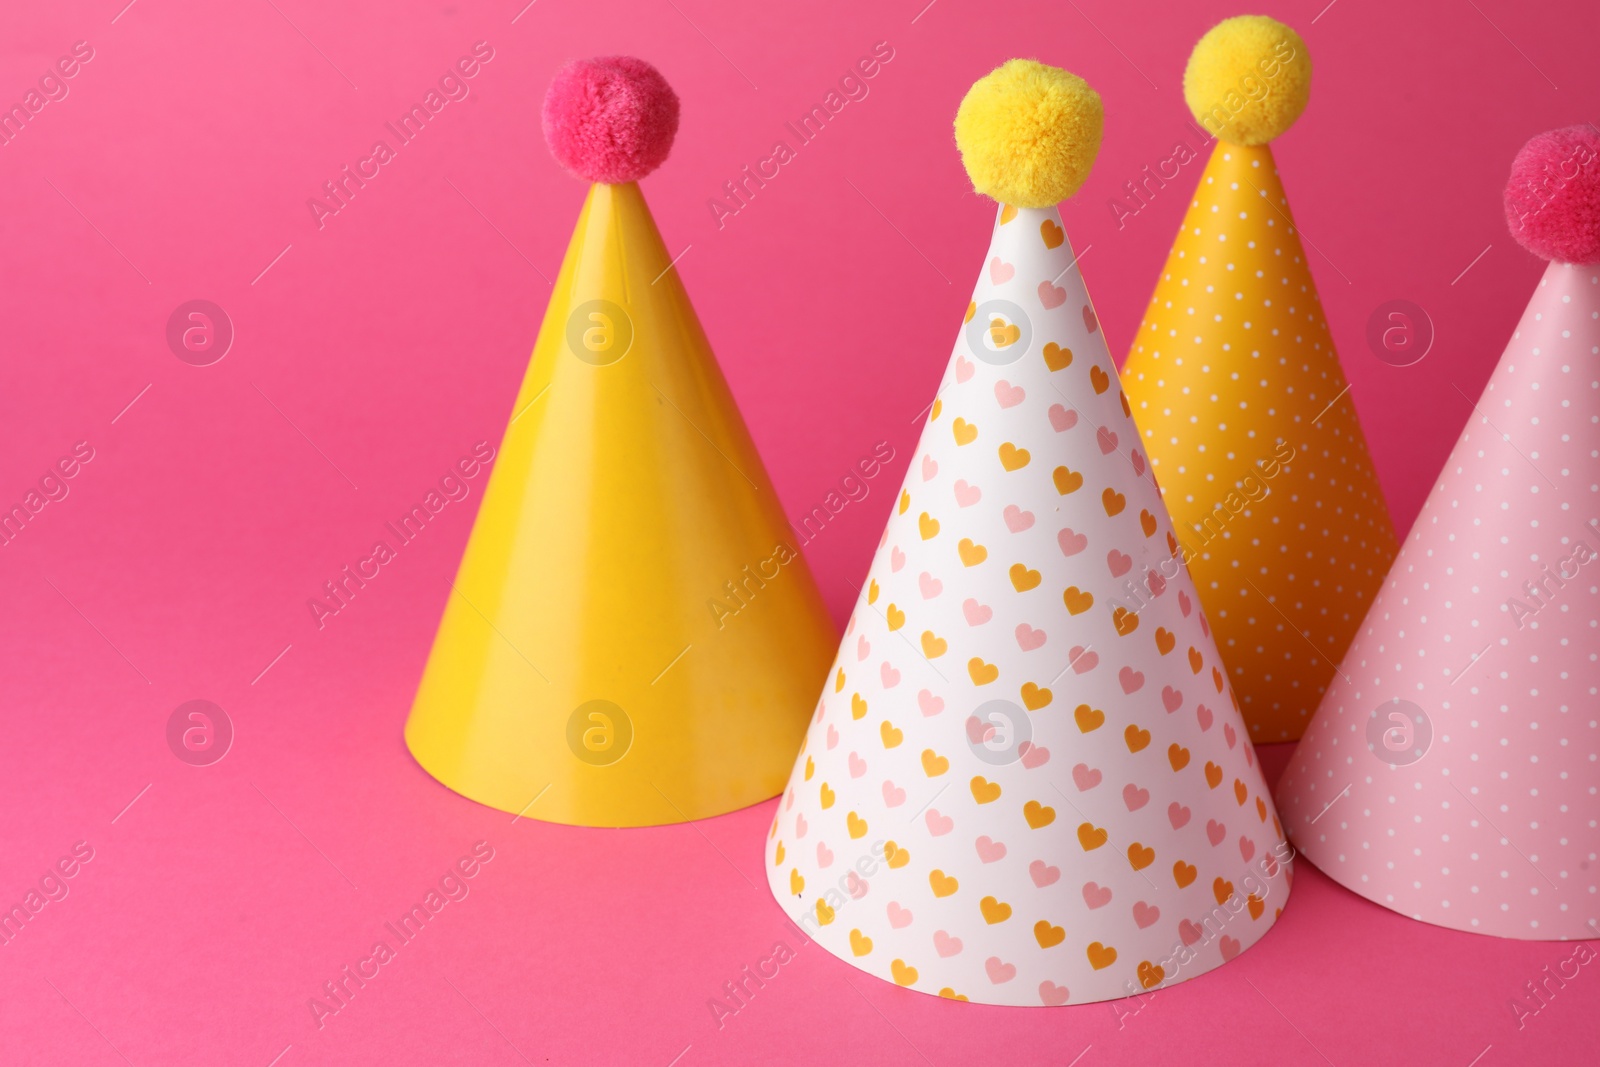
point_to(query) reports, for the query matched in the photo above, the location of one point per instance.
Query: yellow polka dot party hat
(633, 637)
(1025, 782)
(1243, 405)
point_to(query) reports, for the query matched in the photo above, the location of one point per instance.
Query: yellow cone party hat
(1244, 408)
(632, 638)
(1026, 782)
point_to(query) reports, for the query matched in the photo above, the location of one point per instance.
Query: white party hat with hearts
(1026, 781)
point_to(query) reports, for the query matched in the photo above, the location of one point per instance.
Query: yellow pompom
(1029, 133)
(1248, 79)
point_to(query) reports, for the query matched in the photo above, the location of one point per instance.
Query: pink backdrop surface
(375, 349)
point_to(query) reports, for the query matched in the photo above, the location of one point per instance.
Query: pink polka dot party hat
(1026, 782)
(1453, 771)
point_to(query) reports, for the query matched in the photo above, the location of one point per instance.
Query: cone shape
(629, 551)
(1026, 782)
(1243, 406)
(1472, 804)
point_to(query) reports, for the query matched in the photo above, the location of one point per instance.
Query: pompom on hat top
(610, 119)
(1029, 133)
(1248, 79)
(1553, 197)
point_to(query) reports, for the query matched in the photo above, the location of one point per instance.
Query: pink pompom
(1553, 197)
(610, 119)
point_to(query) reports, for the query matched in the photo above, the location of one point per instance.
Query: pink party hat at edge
(1452, 772)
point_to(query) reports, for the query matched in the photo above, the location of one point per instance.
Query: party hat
(1451, 772)
(1026, 782)
(1243, 406)
(633, 637)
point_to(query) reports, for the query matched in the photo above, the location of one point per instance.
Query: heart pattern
(1027, 856)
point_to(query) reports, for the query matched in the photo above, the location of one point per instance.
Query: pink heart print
(1028, 638)
(999, 970)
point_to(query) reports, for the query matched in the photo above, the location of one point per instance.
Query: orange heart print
(1245, 411)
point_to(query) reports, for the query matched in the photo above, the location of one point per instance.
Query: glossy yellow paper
(1246, 414)
(633, 637)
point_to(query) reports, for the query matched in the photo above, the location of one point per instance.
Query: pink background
(179, 566)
